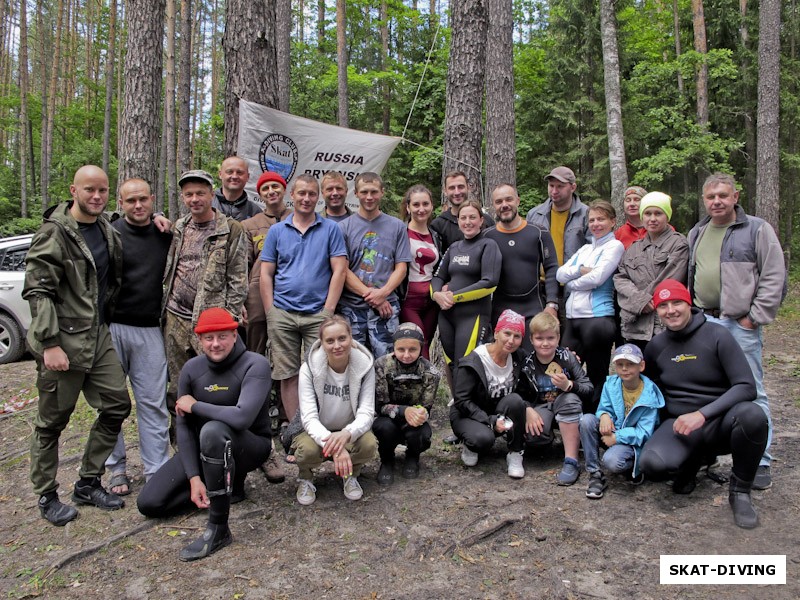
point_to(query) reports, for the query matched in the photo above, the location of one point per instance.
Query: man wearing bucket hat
(709, 393)
(224, 432)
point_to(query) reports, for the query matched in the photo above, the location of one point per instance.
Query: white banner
(271, 140)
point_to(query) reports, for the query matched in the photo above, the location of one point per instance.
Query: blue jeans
(617, 459)
(370, 330)
(751, 342)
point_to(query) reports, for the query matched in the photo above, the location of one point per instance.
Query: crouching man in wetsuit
(710, 392)
(223, 432)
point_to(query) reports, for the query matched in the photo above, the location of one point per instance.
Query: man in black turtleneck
(709, 392)
(224, 432)
(231, 199)
(136, 332)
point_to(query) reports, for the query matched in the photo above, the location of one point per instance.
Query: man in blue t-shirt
(379, 253)
(303, 268)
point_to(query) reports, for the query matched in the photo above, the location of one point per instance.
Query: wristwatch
(553, 305)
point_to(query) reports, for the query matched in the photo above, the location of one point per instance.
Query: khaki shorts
(291, 335)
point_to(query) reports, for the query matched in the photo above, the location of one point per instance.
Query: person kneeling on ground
(223, 429)
(560, 386)
(709, 394)
(625, 420)
(486, 405)
(337, 408)
(405, 390)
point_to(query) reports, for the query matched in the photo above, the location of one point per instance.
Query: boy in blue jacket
(624, 421)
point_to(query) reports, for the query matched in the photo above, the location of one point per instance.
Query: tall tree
(701, 47)
(386, 91)
(249, 46)
(184, 86)
(283, 29)
(341, 62)
(110, 60)
(465, 85)
(616, 136)
(169, 133)
(52, 90)
(501, 156)
(23, 107)
(768, 152)
(140, 129)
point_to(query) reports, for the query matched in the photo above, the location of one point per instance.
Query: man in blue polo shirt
(303, 268)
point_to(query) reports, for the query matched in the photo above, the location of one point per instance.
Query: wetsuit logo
(512, 243)
(216, 388)
(278, 153)
(683, 358)
(461, 260)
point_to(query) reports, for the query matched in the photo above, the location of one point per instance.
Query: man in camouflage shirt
(206, 268)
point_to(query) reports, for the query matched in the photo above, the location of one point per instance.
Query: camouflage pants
(181, 344)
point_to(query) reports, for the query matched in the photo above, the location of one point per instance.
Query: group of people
(339, 309)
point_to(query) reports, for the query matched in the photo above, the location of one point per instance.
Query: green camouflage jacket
(398, 386)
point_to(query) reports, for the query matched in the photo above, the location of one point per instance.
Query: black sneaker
(597, 485)
(213, 538)
(386, 473)
(411, 467)
(763, 480)
(97, 495)
(55, 511)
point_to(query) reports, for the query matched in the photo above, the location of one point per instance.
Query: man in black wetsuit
(709, 391)
(223, 432)
(528, 251)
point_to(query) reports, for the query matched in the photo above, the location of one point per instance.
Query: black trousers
(168, 491)
(478, 437)
(741, 432)
(392, 432)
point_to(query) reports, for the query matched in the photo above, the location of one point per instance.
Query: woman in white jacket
(587, 277)
(337, 408)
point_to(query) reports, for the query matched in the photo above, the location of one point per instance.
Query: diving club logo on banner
(278, 153)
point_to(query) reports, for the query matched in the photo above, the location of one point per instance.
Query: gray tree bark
(249, 46)
(283, 29)
(183, 96)
(111, 58)
(341, 62)
(23, 108)
(140, 131)
(463, 131)
(768, 151)
(501, 146)
(168, 139)
(616, 137)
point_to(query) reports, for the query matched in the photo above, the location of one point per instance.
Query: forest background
(656, 93)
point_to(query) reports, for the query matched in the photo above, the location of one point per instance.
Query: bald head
(89, 192)
(234, 174)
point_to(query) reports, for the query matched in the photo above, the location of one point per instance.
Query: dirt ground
(453, 533)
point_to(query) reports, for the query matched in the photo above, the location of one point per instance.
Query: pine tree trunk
(283, 28)
(47, 135)
(676, 32)
(249, 46)
(768, 159)
(184, 88)
(501, 157)
(169, 116)
(341, 62)
(386, 91)
(465, 85)
(140, 129)
(699, 27)
(616, 136)
(44, 74)
(748, 118)
(110, 60)
(23, 108)
(320, 23)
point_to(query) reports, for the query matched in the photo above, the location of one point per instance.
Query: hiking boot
(386, 473)
(352, 489)
(272, 469)
(636, 479)
(684, 483)
(569, 472)
(214, 537)
(514, 462)
(763, 480)
(411, 466)
(55, 511)
(468, 457)
(597, 485)
(96, 495)
(306, 492)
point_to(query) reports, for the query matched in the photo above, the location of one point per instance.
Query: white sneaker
(352, 489)
(515, 468)
(306, 492)
(468, 457)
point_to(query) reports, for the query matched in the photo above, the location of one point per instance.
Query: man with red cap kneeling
(709, 392)
(223, 432)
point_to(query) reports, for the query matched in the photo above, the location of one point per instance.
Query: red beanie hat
(512, 321)
(269, 176)
(215, 319)
(669, 289)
